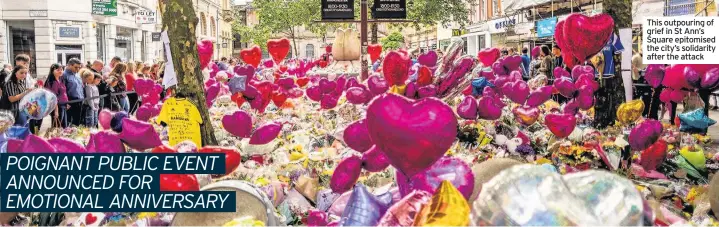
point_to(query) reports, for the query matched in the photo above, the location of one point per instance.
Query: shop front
(124, 43)
(21, 40)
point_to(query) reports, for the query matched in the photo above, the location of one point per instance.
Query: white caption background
(680, 40)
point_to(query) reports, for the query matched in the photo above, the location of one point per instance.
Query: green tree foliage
(393, 41)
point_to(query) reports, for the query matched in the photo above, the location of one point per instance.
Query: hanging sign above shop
(104, 7)
(338, 9)
(500, 25)
(68, 32)
(546, 27)
(389, 9)
(146, 17)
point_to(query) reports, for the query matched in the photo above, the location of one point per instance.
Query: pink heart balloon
(266, 133)
(104, 117)
(377, 85)
(487, 74)
(399, 126)
(357, 137)
(571, 107)
(580, 70)
(489, 91)
(559, 37)
(512, 62)
(654, 75)
(144, 113)
(395, 68)
(341, 84)
(411, 90)
(561, 125)
(586, 80)
(374, 160)
(353, 82)
(499, 69)
(204, 50)
(565, 86)
(428, 59)
(674, 77)
(328, 102)
(539, 96)
(586, 36)
(238, 124)
(710, 80)
(317, 218)
(346, 174)
(212, 92)
(358, 95)
(314, 93)
(327, 86)
(452, 83)
(692, 76)
(560, 72)
(519, 92)
(645, 134)
(35, 144)
(488, 108)
(14, 145)
(139, 135)
(447, 168)
(467, 109)
(295, 93)
(488, 56)
(677, 96)
(654, 155)
(63, 145)
(585, 99)
(427, 91)
(105, 142)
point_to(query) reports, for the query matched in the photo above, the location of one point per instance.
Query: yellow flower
(146, 215)
(542, 161)
(262, 181)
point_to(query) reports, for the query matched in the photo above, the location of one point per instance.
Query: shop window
(482, 42)
(310, 51)
(22, 41)
(203, 24)
(213, 27)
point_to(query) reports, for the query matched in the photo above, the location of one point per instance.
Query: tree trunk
(611, 93)
(294, 42)
(375, 33)
(180, 21)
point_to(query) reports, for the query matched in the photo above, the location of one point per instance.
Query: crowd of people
(82, 89)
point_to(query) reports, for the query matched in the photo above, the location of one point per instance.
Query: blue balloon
(363, 208)
(695, 121)
(18, 132)
(479, 84)
(116, 122)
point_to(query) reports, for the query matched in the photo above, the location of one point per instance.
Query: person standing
(557, 56)
(546, 63)
(55, 85)
(75, 92)
(525, 61)
(91, 105)
(117, 85)
(129, 80)
(15, 89)
(98, 67)
(24, 60)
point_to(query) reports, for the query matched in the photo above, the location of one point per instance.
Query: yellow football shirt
(183, 121)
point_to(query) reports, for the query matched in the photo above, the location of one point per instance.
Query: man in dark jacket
(103, 87)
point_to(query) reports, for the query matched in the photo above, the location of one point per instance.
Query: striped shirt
(13, 89)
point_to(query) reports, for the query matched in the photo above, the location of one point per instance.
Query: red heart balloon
(205, 49)
(90, 219)
(328, 49)
(238, 99)
(559, 37)
(163, 149)
(374, 50)
(252, 56)
(654, 155)
(488, 56)
(283, 68)
(398, 126)
(396, 68)
(585, 36)
(233, 158)
(346, 174)
(323, 64)
(303, 81)
(179, 183)
(561, 125)
(424, 76)
(278, 48)
(279, 98)
(265, 89)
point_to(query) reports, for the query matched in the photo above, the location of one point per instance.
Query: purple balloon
(467, 109)
(571, 107)
(710, 80)
(139, 135)
(286, 83)
(144, 113)
(63, 145)
(692, 76)
(266, 133)
(377, 85)
(585, 99)
(645, 134)
(654, 75)
(250, 92)
(357, 137)
(105, 142)
(364, 208)
(374, 160)
(346, 174)
(212, 92)
(238, 124)
(499, 69)
(454, 170)
(116, 122)
(489, 92)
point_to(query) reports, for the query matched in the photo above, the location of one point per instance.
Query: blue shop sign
(546, 27)
(69, 32)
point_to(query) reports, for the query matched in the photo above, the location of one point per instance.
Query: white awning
(513, 5)
(646, 8)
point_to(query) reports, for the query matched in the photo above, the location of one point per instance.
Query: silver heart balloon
(530, 195)
(454, 51)
(459, 78)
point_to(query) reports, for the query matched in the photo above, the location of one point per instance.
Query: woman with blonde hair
(130, 78)
(117, 85)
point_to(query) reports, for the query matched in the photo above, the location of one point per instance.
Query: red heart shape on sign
(252, 56)
(204, 52)
(179, 183)
(586, 36)
(278, 49)
(395, 68)
(374, 50)
(90, 219)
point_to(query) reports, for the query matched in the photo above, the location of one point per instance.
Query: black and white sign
(501, 25)
(156, 36)
(71, 32)
(38, 13)
(389, 9)
(338, 9)
(146, 17)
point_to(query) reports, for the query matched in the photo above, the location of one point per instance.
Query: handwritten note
(183, 121)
